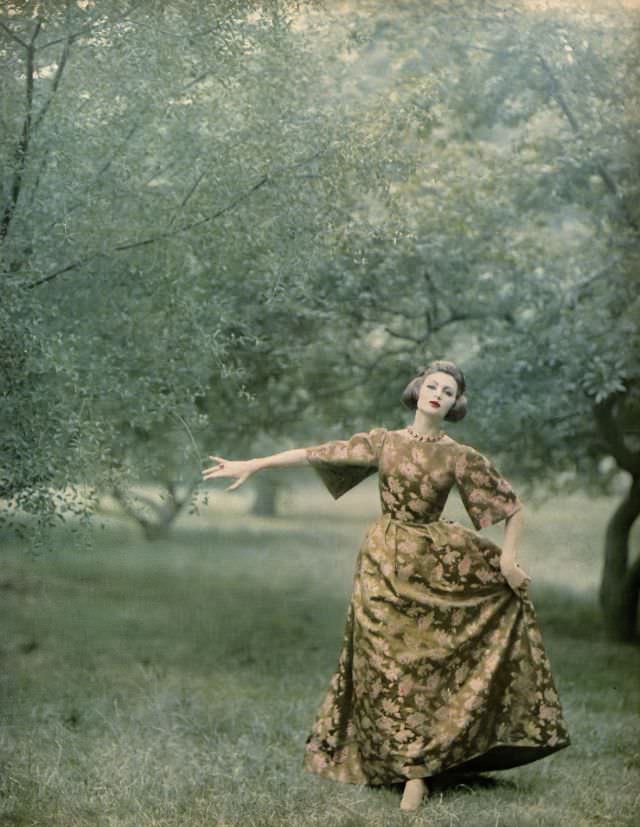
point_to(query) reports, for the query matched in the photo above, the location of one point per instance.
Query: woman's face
(437, 394)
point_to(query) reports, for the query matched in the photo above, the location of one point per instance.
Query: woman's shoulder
(470, 459)
(468, 449)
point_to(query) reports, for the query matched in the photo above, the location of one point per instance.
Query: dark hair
(412, 391)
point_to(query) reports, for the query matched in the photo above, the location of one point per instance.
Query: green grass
(174, 683)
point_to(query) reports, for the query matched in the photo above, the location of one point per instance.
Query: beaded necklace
(425, 437)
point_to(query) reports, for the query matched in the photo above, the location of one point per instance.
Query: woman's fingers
(242, 478)
(236, 483)
(218, 470)
(228, 468)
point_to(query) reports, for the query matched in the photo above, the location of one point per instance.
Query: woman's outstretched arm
(242, 469)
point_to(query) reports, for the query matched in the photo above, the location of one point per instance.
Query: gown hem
(499, 757)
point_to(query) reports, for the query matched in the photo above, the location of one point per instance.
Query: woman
(442, 664)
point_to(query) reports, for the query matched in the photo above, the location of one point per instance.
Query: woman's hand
(515, 576)
(241, 469)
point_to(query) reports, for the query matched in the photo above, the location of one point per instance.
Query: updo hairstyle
(412, 391)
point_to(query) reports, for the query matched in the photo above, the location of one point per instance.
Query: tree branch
(138, 506)
(30, 126)
(14, 36)
(126, 500)
(582, 289)
(170, 232)
(55, 83)
(66, 269)
(83, 30)
(453, 318)
(23, 142)
(613, 436)
(370, 303)
(130, 132)
(435, 291)
(610, 184)
(127, 137)
(101, 171)
(131, 245)
(556, 94)
(418, 340)
(186, 198)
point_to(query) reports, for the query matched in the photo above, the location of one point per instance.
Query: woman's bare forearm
(512, 533)
(243, 469)
(284, 459)
(515, 576)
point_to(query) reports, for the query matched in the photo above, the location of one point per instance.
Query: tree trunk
(155, 519)
(266, 496)
(620, 584)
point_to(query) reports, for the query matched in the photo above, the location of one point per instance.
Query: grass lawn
(174, 683)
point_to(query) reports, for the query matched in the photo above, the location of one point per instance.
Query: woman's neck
(427, 425)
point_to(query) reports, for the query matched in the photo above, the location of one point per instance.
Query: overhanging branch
(170, 232)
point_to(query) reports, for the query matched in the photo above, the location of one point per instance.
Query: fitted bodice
(415, 476)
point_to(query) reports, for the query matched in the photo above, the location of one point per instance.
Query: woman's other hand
(240, 469)
(516, 577)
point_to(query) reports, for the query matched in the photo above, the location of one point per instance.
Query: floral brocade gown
(442, 664)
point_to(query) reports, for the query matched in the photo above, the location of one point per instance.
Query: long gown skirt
(442, 665)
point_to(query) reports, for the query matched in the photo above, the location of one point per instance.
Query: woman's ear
(458, 410)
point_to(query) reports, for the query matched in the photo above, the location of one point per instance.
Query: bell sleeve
(487, 497)
(344, 463)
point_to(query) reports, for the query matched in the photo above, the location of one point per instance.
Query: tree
(510, 242)
(327, 202)
(159, 196)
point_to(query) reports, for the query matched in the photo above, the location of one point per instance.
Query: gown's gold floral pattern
(442, 664)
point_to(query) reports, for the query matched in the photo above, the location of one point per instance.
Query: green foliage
(245, 221)
(511, 244)
(149, 224)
